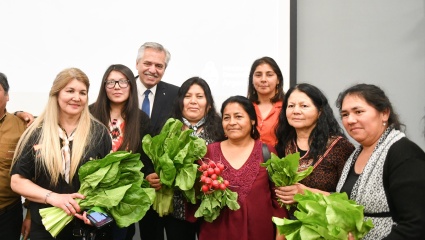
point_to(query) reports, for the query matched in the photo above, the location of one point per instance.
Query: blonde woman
(50, 152)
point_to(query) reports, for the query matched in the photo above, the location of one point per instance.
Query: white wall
(343, 42)
(216, 40)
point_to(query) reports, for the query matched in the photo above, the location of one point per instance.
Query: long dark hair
(248, 107)
(376, 98)
(130, 112)
(252, 94)
(212, 126)
(326, 126)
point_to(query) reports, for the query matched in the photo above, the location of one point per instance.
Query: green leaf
(186, 177)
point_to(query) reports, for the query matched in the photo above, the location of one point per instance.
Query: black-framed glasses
(123, 83)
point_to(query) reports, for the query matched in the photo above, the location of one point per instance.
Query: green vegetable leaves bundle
(212, 204)
(112, 183)
(173, 153)
(284, 171)
(324, 217)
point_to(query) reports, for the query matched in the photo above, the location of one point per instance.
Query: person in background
(51, 150)
(385, 173)
(156, 99)
(307, 125)
(195, 107)
(117, 107)
(241, 154)
(11, 129)
(265, 90)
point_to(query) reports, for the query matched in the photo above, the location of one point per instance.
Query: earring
(384, 123)
(252, 129)
(253, 92)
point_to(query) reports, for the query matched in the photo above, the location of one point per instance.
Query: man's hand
(27, 117)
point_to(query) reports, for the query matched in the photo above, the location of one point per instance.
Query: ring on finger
(67, 205)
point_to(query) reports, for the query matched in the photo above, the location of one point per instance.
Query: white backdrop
(216, 40)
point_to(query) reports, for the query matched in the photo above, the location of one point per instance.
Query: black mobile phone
(99, 219)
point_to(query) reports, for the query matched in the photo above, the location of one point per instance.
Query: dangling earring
(253, 129)
(253, 92)
(384, 123)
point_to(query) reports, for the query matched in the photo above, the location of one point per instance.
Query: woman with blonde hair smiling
(51, 150)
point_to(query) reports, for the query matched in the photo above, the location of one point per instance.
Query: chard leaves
(173, 153)
(324, 217)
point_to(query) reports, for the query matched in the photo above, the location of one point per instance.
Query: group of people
(383, 172)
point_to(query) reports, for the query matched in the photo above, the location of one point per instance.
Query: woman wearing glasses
(117, 108)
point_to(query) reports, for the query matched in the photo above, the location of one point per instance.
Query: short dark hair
(375, 97)
(252, 95)
(3, 82)
(248, 107)
(327, 126)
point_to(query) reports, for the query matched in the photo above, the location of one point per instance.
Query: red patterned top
(256, 198)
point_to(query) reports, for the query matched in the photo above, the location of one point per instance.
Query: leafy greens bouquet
(112, 183)
(215, 195)
(284, 171)
(173, 153)
(324, 217)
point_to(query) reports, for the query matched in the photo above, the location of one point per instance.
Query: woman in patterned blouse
(307, 125)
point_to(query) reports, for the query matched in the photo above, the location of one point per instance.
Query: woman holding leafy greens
(241, 154)
(117, 108)
(307, 125)
(385, 173)
(194, 106)
(52, 149)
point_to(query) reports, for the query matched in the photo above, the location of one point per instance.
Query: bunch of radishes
(211, 177)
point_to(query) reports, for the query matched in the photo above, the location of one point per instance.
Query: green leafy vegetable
(215, 195)
(284, 171)
(212, 203)
(112, 183)
(324, 217)
(173, 153)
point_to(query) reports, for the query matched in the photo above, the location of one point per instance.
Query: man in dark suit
(156, 99)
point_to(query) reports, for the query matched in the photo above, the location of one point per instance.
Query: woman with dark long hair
(265, 90)
(307, 125)
(117, 108)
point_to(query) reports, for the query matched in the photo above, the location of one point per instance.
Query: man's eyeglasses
(123, 83)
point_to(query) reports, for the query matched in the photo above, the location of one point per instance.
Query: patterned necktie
(66, 154)
(146, 106)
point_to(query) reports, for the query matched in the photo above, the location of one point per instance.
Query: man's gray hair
(156, 46)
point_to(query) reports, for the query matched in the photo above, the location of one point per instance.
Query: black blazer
(163, 103)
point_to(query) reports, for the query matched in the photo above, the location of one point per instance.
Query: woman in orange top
(265, 90)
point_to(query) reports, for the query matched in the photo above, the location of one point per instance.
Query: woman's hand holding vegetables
(154, 181)
(287, 193)
(65, 201)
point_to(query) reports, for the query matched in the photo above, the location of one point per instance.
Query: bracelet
(47, 195)
(16, 113)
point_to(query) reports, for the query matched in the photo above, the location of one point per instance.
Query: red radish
(215, 184)
(205, 188)
(226, 183)
(222, 186)
(210, 171)
(221, 166)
